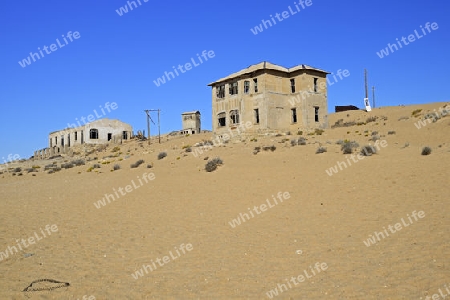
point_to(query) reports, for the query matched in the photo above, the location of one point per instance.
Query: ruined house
(270, 98)
(191, 122)
(98, 132)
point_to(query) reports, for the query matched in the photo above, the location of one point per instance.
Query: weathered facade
(98, 132)
(270, 98)
(191, 121)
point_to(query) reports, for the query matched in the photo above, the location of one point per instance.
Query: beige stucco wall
(191, 122)
(274, 102)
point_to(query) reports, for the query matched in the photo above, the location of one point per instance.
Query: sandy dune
(325, 220)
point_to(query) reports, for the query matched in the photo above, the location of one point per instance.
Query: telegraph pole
(159, 129)
(149, 118)
(365, 80)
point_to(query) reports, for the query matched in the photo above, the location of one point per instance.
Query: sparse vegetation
(253, 139)
(426, 151)
(416, 112)
(391, 132)
(213, 164)
(321, 150)
(137, 164)
(319, 131)
(300, 132)
(301, 141)
(188, 149)
(403, 118)
(271, 148)
(371, 119)
(161, 155)
(115, 149)
(116, 167)
(67, 166)
(78, 162)
(368, 150)
(348, 146)
(149, 166)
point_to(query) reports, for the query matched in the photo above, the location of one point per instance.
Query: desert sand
(178, 223)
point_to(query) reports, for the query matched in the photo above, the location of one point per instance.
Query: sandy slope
(326, 217)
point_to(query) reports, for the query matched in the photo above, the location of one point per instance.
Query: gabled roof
(267, 65)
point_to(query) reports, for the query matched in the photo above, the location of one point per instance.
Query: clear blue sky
(117, 58)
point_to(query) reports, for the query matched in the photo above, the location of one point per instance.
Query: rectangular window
(233, 88)
(125, 135)
(51, 145)
(221, 119)
(76, 135)
(56, 140)
(255, 84)
(246, 87)
(294, 115)
(234, 116)
(256, 115)
(62, 141)
(220, 91)
(292, 85)
(315, 85)
(316, 113)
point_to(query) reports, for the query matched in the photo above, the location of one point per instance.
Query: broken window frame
(255, 84)
(93, 134)
(256, 113)
(294, 115)
(316, 113)
(233, 88)
(221, 120)
(292, 85)
(220, 91)
(315, 84)
(246, 87)
(234, 116)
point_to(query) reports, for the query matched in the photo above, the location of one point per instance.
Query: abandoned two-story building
(98, 132)
(271, 98)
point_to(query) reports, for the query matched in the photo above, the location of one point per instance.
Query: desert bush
(78, 162)
(116, 167)
(319, 131)
(161, 155)
(30, 170)
(149, 166)
(213, 164)
(17, 170)
(375, 138)
(271, 148)
(253, 139)
(186, 146)
(321, 150)
(374, 132)
(391, 132)
(299, 132)
(294, 142)
(403, 118)
(371, 119)
(368, 150)
(426, 151)
(137, 164)
(340, 142)
(67, 166)
(115, 149)
(301, 141)
(96, 166)
(416, 112)
(188, 149)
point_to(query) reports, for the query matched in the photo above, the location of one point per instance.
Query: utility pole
(366, 99)
(373, 96)
(149, 118)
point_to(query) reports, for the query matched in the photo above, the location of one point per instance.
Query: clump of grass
(348, 146)
(67, 165)
(426, 151)
(271, 148)
(186, 146)
(371, 119)
(374, 132)
(368, 150)
(253, 139)
(301, 141)
(319, 131)
(115, 149)
(137, 164)
(321, 150)
(161, 155)
(17, 170)
(300, 132)
(96, 166)
(375, 138)
(213, 164)
(256, 150)
(391, 132)
(149, 166)
(416, 112)
(78, 162)
(116, 167)
(31, 170)
(403, 118)
(294, 142)
(188, 149)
